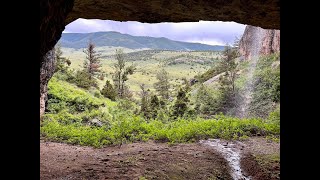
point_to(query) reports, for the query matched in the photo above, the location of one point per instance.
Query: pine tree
(229, 66)
(181, 104)
(206, 103)
(82, 79)
(92, 64)
(121, 73)
(163, 84)
(145, 102)
(60, 61)
(154, 106)
(108, 91)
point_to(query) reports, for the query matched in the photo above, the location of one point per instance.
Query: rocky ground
(152, 160)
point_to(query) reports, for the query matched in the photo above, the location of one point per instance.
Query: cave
(56, 14)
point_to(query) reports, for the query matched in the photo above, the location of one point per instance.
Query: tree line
(161, 102)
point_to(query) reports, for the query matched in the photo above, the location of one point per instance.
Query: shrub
(108, 91)
(62, 95)
(125, 128)
(83, 79)
(267, 87)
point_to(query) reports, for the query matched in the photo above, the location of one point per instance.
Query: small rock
(96, 122)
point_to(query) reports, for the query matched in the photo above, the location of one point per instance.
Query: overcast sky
(206, 32)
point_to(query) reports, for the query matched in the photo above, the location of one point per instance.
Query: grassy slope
(120, 126)
(146, 69)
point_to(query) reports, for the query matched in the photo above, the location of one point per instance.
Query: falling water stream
(231, 151)
(254, 48)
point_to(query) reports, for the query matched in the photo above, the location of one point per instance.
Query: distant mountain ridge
(112, 38)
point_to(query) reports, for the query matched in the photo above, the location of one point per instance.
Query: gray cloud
(207, 32)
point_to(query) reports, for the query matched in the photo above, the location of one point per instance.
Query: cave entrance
(56, 14)
(86, 117)
(173, 93)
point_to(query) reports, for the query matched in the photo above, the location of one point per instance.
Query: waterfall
(254, 49)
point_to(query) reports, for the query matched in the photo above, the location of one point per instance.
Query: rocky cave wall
(270, 41)
(55, 14)
(46, 72)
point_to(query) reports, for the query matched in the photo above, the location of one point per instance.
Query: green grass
(69, 104)
(67, 92)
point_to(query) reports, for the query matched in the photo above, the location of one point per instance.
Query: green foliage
(62, 95)
(70, 110)
(162, 86)
(227, 80)
(142, 178)
(63, 117)
(120, 76)
(208, 100)
(181, 104)
(267, 86)
(60, 61)
(126, 105)
(108, 91)
(83, 79)
(145, 110)
(126, 128)
(213, 71)
(154, 106)
(275, 115)
(120, 125)
(68, 104)
(92, 63)
(82, 135)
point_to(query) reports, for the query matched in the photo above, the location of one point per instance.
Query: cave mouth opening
(55, 15)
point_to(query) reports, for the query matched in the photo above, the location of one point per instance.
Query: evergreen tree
(181, 104)
(163, 85)
(82, 79)
(92, 64)
(207, 104)
(154, 106)
(121, 73)
(227, 87)
(145, 102)
(108, 91)
(229, 66)
(60, 61)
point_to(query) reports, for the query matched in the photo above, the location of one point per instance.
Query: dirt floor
(154, 161)
(261, 159)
